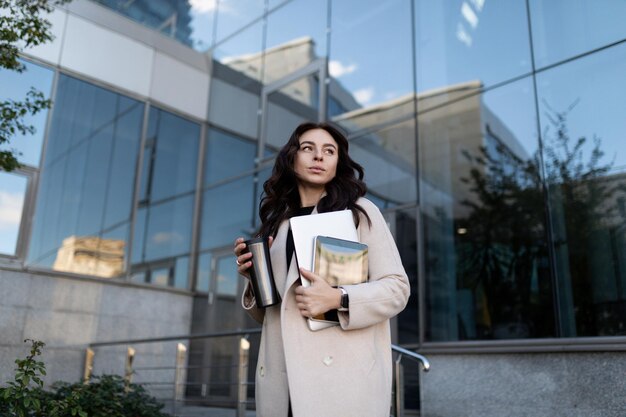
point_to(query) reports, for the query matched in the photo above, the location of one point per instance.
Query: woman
(343, 370)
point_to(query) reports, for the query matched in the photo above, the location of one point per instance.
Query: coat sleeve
(387, 291)
(248, 302)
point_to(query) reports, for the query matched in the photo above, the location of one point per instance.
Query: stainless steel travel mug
(261, 274)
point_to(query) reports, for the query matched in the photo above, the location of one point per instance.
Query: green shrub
(104, 396)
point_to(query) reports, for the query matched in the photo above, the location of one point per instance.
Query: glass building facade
(489, 132)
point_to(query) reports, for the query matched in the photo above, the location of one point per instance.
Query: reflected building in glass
(492, 141)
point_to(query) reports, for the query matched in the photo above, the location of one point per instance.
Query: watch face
(344, 300)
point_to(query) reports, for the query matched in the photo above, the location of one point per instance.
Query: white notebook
(339, 224)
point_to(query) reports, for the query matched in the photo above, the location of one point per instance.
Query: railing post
(399, 382)
(89, 354)
(128, 368)
(179, 383)
(242, 380)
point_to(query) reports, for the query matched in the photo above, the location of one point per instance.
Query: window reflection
(362, 62)
(227, 213)
(235, 83)
(85, 196)
(170, 156)
(388, 157)
(15, 86)
(164, 230)
(203, 280)
(227, 276)
(188, 21)
(296, 36)
(562, 30)
(226, 156)
(12, 193)
(404, 225)
(242, 51)
(582, 133)
(236, 14)
(486, 257)
(289, 106)
(460, 40)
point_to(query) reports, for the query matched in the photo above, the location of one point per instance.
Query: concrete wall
(537, 384)
(68, 313)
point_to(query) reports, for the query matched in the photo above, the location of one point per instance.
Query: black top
(302, 211)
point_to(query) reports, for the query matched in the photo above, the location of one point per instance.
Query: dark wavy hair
(281, 199)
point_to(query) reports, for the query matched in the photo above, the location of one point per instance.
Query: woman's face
(315, 163)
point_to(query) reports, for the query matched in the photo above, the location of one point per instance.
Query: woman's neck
(309, 196)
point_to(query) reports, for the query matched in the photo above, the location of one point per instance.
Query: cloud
(469, 15)
(337, 69)
(203, 6)
(167, 237)
(463, 36)
(10, 210)
(364, 95)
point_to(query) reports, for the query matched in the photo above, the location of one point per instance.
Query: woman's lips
(317, 169)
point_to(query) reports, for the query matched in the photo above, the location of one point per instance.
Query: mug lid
(255, 240)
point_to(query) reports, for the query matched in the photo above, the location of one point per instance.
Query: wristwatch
(345, 301)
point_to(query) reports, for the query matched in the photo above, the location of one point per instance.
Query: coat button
(262, 371)
(328, 360)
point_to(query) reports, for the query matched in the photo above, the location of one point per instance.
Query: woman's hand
(318, 298)
(244, 260)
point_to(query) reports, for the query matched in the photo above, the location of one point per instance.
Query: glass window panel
(227, 155)
(138, 276)
(182, 20)
(173, 154)
(388, 158)
(460, 41)
(264, 173)
(290, 106)
(14, 87)
(358, 95)
(114, 240)
(181, 272)
(296, 36)
(235, 82)
(582, 104)
(160, 276)
(486, 259)
(124, 155)
(227, 276)
(565, 28)
(235, 14)
(242, 51)
(167, 230)
(403, 225)
(227, 213)
(85, 191)
(12, 194)
(139, 236)
(204, 272)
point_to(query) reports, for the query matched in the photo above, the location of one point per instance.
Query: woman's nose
(318, 155)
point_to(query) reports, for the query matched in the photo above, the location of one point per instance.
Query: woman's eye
(306, 148)
(329, 151)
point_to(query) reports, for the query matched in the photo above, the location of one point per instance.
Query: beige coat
(343, 370)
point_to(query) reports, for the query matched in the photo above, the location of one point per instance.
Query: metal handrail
(242, 400)
(413, 355)
(180, 337)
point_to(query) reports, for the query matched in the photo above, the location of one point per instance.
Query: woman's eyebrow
(309, 142)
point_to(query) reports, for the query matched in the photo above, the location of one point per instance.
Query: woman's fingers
(242, 259)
